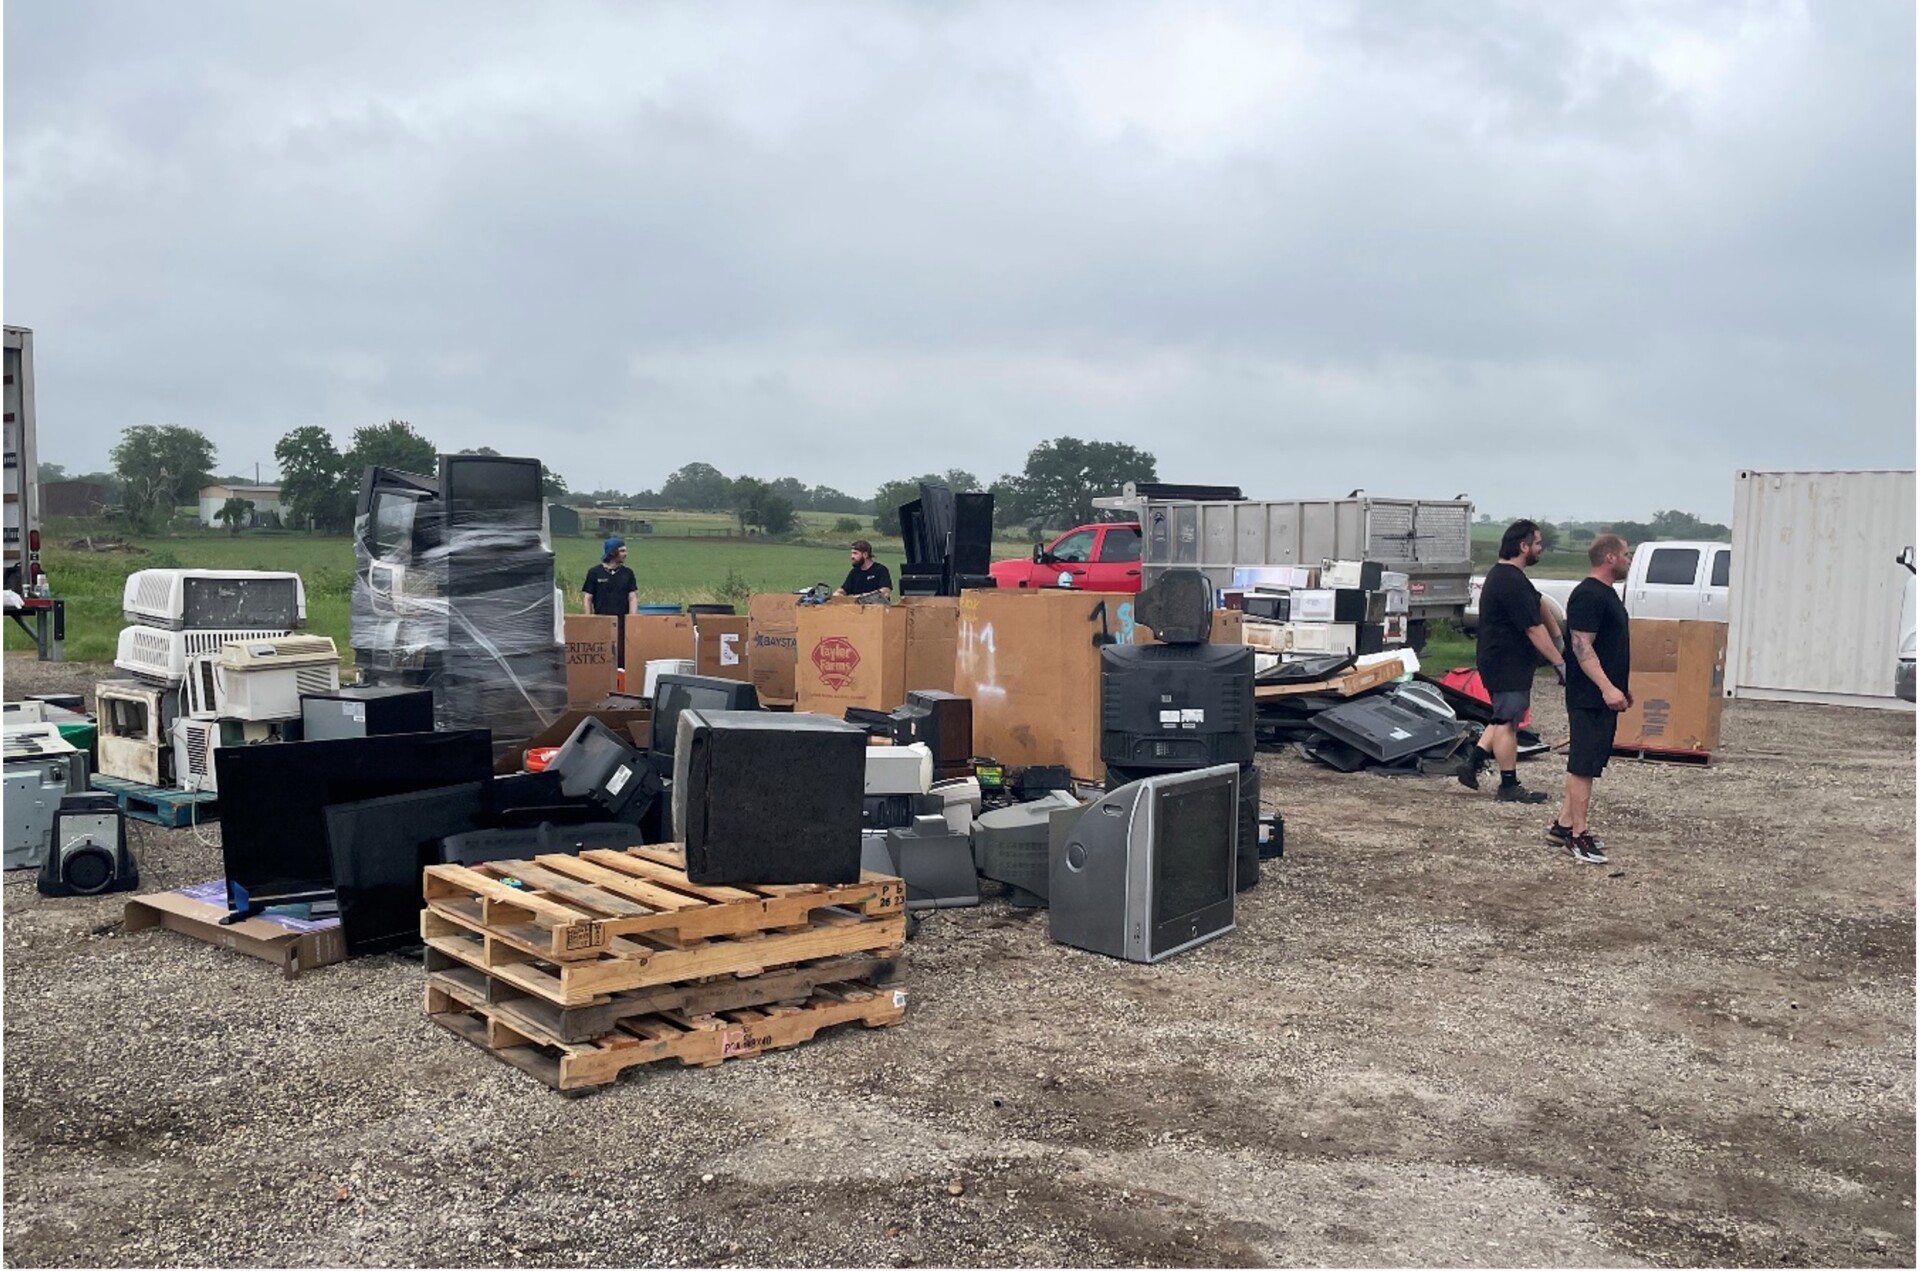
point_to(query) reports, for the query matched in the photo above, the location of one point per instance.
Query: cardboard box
(292, 944)
(592, 670)
(850, 655)
(773, 643)
(1030, 660)
(933, 639)
(1227, 626)
(1679, 671)
(625, 714)
(720, 646)
(651, 636)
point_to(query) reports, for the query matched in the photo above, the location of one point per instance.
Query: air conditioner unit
(195, 740)
(231, 599)
(161, 656)
(201, 690)
(135, 737)
(264, 679)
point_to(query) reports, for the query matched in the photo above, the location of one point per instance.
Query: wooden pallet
(1349, 683)
(694, 1040)
(574, 929)
(1648, 754)
(538, 1017)
(159, 805)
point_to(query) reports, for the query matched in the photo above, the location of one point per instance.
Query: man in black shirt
(610, 587)
(868, 577)
(1512, 641)
(1600, 644)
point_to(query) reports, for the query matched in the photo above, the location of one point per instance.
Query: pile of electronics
(948, 540)
(74, 839)
(213, 658)
(454, 592)
(1346, 608)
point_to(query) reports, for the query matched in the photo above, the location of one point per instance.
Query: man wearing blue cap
(610, 587)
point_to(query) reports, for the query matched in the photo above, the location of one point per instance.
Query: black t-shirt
(1509, 605)
(862, 581)
(609, 588)
(1598, 610)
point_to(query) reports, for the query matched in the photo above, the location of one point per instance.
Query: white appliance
(195, 740)
(135, 740)
(899, 769)
(264, 678)
(1311, 604)
(1324, 637)
(24, 713)
(160, 656)
(235, 599)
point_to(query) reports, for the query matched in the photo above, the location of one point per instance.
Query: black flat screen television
(273, 801)
(378, 848)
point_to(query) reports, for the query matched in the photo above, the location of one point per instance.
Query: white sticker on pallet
(899, 999)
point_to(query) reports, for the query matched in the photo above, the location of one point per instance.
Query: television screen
(273, 801)
(1195, 829)
(673, 694)
(496, 490)
(378, 848)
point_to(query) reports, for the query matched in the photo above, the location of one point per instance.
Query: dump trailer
(1217, 529)
(36, 610)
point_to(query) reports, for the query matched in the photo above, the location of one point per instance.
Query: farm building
(267, 507)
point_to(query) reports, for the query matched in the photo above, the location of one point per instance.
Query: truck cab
(1104, 556)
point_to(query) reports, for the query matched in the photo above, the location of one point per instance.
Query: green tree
(552, 484)
(756, 504)
(1063, 477)
(235, 512)
(827, 499)
(888, 499)
(1549, 533)
(847, 525)
(160, 466)
(795, 491)
(315, 482)
(698, 487)
(52, 472)
(394, 444)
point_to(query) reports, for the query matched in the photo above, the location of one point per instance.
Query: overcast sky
(1575, 260)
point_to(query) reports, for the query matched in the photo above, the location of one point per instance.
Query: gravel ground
(1432, 1039)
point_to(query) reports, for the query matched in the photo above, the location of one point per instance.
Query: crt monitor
(494, 492)
(675, 693)
(1176, 706)
(1148, 870)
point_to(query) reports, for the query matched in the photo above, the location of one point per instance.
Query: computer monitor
(498, 492)
(673, 694)
(1010, 846)
(1176, 706)
(597, 763)
(1148, 870)
(764, 798)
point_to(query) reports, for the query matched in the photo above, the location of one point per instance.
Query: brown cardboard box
(627, 716)
(933, 635)
(850, 655)
(1226, 629)
(289, 943)
(591, 669)
(720, 646)
(1030, 660)
(1679, 671)
(773, 638)
(651, 636)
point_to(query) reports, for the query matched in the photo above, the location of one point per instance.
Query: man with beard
(1512, 641)
(1599, 643)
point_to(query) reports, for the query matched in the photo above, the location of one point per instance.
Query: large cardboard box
(626, 714)
(1679, 669)
(933, 636)
(1030, 660)
(651, 636)
(773, 641)
(1227, 625)
(292, 944)
(850, 655)
(720, 646)
(592, 669)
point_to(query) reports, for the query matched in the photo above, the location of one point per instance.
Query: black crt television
(273, 801)
(597, 763)
(1148, 869)
(673, 694)
(378, 848)
(1176, 706)
(498, 491)
(761, 798)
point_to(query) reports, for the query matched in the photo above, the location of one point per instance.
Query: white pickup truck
(1666, 580)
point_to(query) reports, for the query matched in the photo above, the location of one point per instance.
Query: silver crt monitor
(1148, 871)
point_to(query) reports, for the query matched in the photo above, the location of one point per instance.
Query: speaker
(972, 534)
(943, 722)
(763, 798)
(88, 855)
(1178, 606)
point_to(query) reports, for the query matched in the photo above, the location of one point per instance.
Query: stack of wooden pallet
(575, 968)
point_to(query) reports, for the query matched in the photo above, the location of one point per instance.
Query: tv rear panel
(1384, 730)
(1176, 706)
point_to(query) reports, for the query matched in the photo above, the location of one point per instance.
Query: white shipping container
(1816, 593)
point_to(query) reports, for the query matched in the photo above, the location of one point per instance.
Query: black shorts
(1592, 739)
(1511, 708)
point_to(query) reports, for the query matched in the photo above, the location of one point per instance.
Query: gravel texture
(1433, 1039)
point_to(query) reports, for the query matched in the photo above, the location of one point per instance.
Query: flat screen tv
(378, 848)
(764, 798)
(1148, 871)
(273, 802)
(673, 694)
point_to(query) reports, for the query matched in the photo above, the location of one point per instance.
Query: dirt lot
(1433, 1039)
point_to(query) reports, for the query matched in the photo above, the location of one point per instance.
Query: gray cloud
(1573, 263)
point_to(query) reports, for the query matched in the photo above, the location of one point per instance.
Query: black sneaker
(1517, 793)
(1469, 773)
(1584, 849)
(1559, 835)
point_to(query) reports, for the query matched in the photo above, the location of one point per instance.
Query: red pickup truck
(1102, 557)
